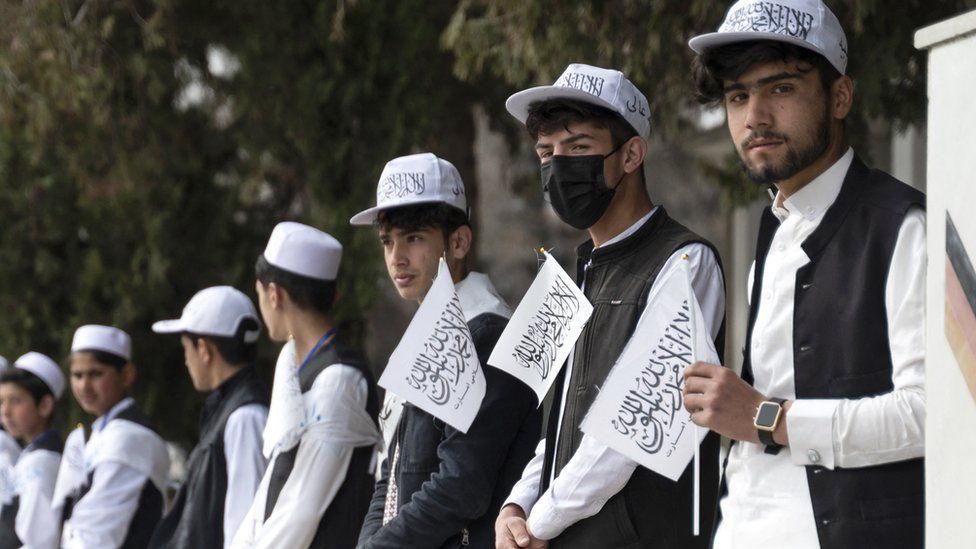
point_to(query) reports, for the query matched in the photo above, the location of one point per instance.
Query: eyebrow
(568, 141)
(738, 86)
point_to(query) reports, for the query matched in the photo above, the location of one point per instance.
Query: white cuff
(522, 498)
(810, 424)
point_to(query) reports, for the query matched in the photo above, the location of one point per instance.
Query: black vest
(196, 518)
(339, 527)
(651, 511)
(150, 506)
(8, 515)
(841, 350)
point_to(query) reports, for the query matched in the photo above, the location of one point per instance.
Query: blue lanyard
(315, 349)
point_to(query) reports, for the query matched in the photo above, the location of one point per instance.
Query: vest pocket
(861, 385)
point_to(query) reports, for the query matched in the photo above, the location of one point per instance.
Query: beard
(797, 157)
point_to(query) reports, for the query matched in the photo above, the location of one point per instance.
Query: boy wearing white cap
(440, 487)
(322, 432)
(591, 129)
(117, 499)
(28, 393)
(219, 332)
(828, 418)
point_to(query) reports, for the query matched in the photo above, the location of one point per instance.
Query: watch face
(767, 415)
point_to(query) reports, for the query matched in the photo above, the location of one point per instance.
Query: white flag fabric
(435, 367)
(543, 329)
(640, 409)
(71, 472)
(286, 415)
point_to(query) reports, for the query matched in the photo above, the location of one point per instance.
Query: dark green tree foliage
(133, 172)
(528, 43)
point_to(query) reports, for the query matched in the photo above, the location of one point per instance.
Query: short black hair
(235, 350)
(711, 69)
(306, 292)
(551, 115)
(415, 217)
(27, 381)
(105, 357)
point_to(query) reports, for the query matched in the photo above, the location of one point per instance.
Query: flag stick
(692, 323)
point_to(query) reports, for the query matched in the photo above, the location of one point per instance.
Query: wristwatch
(766, 421)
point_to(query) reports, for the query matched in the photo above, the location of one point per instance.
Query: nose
(398, 255)
(757, 113)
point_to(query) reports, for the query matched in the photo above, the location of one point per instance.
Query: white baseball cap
(93, 337)
(216, 311)
(45, 368)
(415, 179)
(806, 23)
(602, 87)
(304, 251)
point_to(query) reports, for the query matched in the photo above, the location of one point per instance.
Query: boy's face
(22, 417)
(96, 386)
(269, 314)
(412, 259)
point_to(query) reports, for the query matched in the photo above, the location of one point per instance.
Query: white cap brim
(168, 326)
(368, 217)
(518, 103)
(702, 43)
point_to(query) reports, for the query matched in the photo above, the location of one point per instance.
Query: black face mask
(574, 187)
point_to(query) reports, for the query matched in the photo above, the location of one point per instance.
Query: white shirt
(338, 399)
(35, 473)
(101, 518)
(768, 504)
(245, 463)
(596, 472)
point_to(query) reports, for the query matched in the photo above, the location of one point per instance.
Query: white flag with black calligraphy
(543, 329)
(435, 367)
(640, 409)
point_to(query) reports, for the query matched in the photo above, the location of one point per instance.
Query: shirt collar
(101, 422)
(478, 296)
(816, 196)
(630, 230)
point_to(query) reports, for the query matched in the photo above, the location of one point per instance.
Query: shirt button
(813, 456)
(781, 247)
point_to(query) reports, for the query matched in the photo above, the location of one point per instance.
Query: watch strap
(766, 437)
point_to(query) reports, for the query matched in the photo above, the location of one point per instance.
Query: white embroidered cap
(45, 368)
(806, 23)
(602, 87)
(304, 250)
(216, 311)
(93, 337)
(415, 179)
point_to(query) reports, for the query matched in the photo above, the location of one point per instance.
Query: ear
(841, 97)
(635, 149)
(459, 243)
(46, 406)
(204, 351)
(128, 374)
(275, 295)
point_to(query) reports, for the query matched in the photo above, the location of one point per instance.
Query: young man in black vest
(591, 130)
(829, 414)
(119, 499)
(322, 433)
(219, 332)
(441, 488)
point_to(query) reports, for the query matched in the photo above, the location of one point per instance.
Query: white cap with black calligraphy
(45, 368)
(304, 250)
(415, 179)
(602, 87)
(806, 23)
(107, 339)
(216, 311)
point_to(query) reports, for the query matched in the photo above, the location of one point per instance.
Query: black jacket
(451, 485)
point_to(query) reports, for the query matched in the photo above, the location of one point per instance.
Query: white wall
(951, 180)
